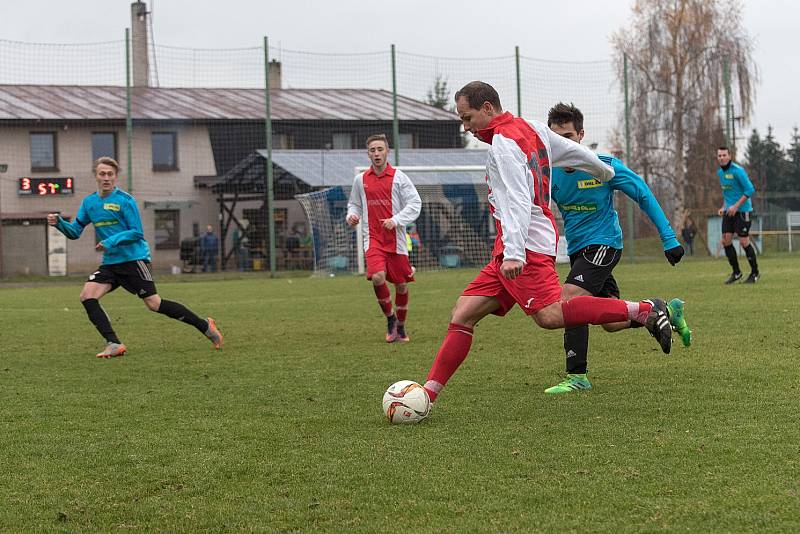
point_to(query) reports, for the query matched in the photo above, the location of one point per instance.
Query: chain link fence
(216, 144)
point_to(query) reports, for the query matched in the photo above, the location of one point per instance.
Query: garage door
(24, 247)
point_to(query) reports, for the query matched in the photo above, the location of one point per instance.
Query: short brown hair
(105, 160)
(378, 137)
(477, 93)
(726, 149)
(561, 114)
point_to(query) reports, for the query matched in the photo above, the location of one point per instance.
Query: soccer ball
(406, 402)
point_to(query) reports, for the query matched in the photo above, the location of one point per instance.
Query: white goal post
(454, 228)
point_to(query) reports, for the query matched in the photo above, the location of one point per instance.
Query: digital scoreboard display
(42, 187)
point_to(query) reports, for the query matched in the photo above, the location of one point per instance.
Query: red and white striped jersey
(376, 197)
(518, 174)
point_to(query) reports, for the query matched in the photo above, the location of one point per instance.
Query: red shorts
(535, 288)
(396, 266)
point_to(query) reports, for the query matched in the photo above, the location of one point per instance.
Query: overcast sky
(575, 30)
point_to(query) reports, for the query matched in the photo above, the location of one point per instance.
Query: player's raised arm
(513, 194)
(74, 229)
(635, 187)
(567, 153)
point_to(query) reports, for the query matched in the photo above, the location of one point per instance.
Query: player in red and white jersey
(387, 201)
(522, 270)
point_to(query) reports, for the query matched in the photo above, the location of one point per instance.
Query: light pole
(3, 169)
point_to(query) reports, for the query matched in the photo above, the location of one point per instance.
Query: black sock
(100, 320)
(178, 311)
(732, 259)
(750, 252)
(576, 345)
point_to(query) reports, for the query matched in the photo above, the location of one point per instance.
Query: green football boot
(570, 383)
(678, 322)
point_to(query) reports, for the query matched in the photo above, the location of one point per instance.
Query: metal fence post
(395, 120)
(630, 227)
(128, 116)
(519, 83)
(269, 200)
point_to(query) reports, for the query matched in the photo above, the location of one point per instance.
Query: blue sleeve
(130, 216)
(634, 186)
(744, 182)
(74, 229)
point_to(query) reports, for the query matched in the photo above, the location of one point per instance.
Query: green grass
(283, 431)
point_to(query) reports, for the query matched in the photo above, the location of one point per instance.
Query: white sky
(449, 28)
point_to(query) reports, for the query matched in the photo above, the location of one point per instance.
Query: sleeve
(74, 229)
(354, 206)
(744, 182)
(513, 195)
(634, 186)
(567, 153)
(411, 201)
(133, 221)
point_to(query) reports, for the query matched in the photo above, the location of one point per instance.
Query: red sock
(579, 311)
(401, 306)
(384, 298)
(451, 354)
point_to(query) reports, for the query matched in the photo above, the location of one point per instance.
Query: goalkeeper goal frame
(410, 170)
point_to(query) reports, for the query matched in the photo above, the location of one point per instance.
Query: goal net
(453, 230)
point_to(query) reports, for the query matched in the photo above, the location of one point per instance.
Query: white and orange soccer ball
(406, 402)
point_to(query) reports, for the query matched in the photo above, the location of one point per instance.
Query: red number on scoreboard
(26, 184)
(69, 183)
(42, 189)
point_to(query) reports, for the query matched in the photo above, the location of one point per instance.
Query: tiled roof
(72, 102)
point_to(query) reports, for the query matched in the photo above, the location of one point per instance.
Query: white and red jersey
(389, 195)
(518, 174)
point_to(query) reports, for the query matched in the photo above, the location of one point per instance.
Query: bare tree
(676, 50)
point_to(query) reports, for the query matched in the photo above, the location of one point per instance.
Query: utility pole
(730, 140)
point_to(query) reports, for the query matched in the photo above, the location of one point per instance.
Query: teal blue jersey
(117, 224)
(587, 206)
(736, 183)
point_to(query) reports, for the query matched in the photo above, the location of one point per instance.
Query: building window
(406, 140)
(342, 141)
(104, 144)
(43, 151)
(168, 224)
(282, 142)
(165, 151)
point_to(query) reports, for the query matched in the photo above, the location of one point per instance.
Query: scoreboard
(42, 187)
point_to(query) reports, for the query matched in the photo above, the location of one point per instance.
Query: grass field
(283, 430)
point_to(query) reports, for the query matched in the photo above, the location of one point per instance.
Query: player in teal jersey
(594, 237)
(126, 258)
(736, 213)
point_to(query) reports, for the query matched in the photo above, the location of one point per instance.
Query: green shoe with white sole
(678, 322)
(573, 382)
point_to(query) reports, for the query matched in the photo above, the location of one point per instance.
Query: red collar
(487, 133)
(387, 171)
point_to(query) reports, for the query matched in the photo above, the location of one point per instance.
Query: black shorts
(591, 270)
(134, 276)
(739, 224)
